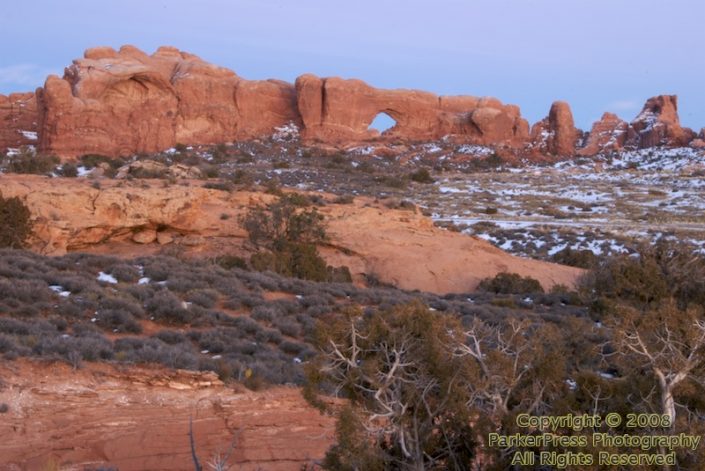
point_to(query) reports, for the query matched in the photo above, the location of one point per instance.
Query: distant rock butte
(126, 102)
(556, 134)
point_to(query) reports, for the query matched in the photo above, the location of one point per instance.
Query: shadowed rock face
(334, 110)
(18, 120)
(126, 102)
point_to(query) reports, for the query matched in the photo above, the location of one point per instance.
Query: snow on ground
(105, 277)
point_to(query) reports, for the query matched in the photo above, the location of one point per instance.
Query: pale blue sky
(599, 55)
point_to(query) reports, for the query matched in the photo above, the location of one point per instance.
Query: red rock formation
(397, 246)
(607, 134)
(126, 102)
(120, 103)
(556, 134)
(334, 110)
(18, 120)
(699, 143)
(658, 124)
(137, 418)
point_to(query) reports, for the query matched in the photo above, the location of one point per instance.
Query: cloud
(23, 76)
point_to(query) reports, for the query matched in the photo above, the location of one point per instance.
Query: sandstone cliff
(126, 102)
(396, 246)
(138, 419)
(334, 110)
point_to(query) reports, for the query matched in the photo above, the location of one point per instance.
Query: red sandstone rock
(334, 110)
(18, 120)
(607, 134)
(556, 134)
(125, 102)
(658, 124)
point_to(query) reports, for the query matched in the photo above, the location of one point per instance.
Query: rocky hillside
(396, 246)
(126, 102)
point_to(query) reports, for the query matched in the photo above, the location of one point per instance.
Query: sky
(599, 55)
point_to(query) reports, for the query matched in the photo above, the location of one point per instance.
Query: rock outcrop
(608, 134)
(334, 110)
(137, 418)
(400, 247)
(555, 134)
(18, 120)
(126, 102)
(658, 124)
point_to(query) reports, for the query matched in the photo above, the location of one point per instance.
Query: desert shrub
(4, 408)
(118, 321)
(422, 176)
(6, 344)
(220, 186)
(231, 261)
(292, 259)
(393, 181)
(170, 337)
(209, 171)
(29, 162)
(203, 297)
(68, 170)
(296, 199)
(510, 283)
(280, 223)
(344, 199)
(402, 356)
(504, 302)
(242, 177)
(124, 272)
(15, 224)
(23, 291)
(165, 307)
(646, 278)
(575, 258)
(93, 160)
(288, 326)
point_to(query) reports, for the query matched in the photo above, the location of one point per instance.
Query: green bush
(298, 260)
(15, 225)
(510, 283)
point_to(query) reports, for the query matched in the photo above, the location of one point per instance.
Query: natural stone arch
(382, 122)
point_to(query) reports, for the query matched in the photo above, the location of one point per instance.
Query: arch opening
(382, 123)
